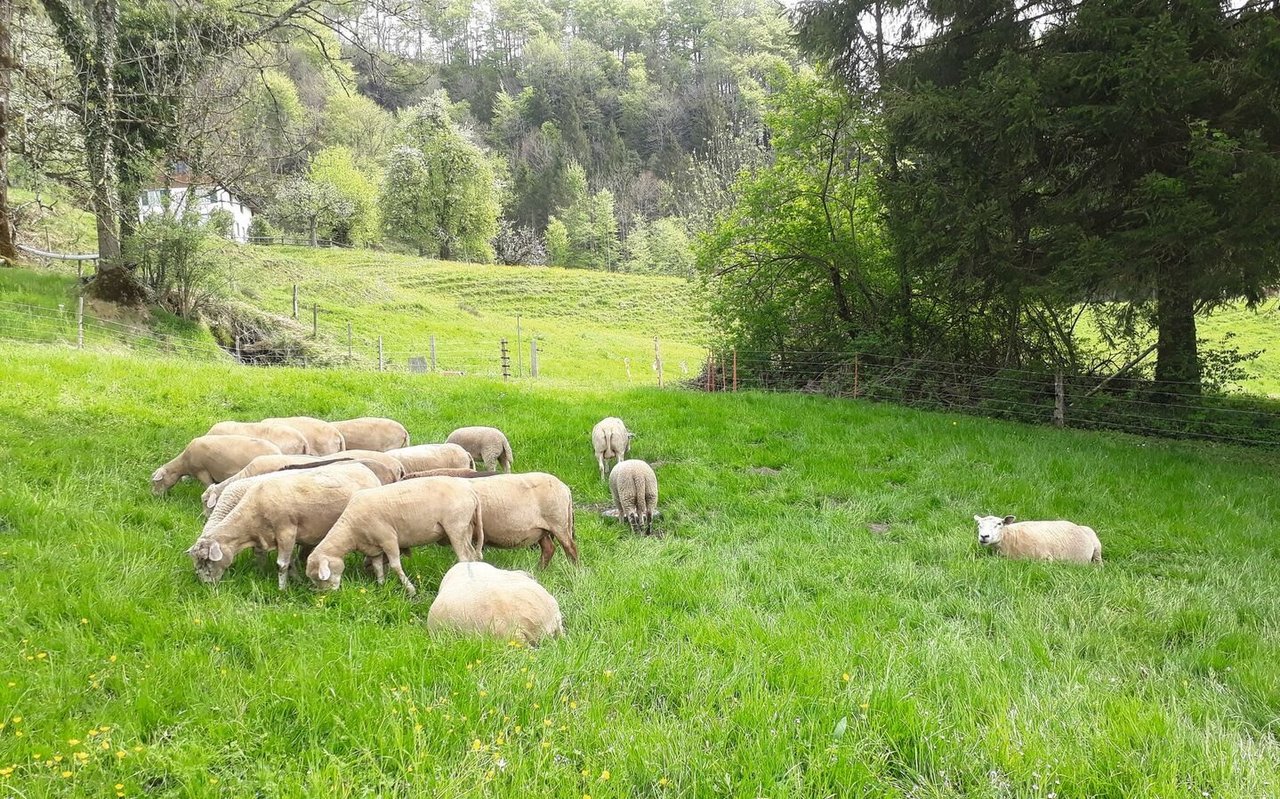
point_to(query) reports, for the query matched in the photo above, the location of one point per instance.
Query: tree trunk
(1177, 357)
(8, 244)
(315, 226)
(446, 252)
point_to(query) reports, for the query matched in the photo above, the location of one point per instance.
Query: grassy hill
(772, 642)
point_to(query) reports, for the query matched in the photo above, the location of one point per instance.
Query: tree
(441, 192)
(335, 167)
(8, 245)
(310, 205)
(557, 243)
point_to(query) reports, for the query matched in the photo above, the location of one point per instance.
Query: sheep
(371, 432)
(210, 459)
(1047, 540)
(485, 444)
(480, 599)
(432, 456)
(277, 511)
(635, 493)
(259, 465)
(322, 437)
(610, 439)
(290, 441)
(467, 473)
(386, 468)
(380, 522)
(521, 510)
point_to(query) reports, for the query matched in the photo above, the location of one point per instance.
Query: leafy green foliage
(181, 260)
(336, 167)
(308, 206)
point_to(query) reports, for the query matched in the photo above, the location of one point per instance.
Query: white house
(182, 191)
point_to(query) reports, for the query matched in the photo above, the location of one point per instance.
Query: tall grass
(771, 643)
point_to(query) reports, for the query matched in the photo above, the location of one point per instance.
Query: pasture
(815, 621)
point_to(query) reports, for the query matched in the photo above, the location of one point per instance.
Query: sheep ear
(215, 551)
(1009, 519)
(324, 573)
(977, 518)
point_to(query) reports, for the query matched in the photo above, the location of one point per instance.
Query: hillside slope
(822, 626)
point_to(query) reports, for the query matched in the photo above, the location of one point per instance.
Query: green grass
(587, 323)
(1249, 330)
(60, 227)
(768, 645)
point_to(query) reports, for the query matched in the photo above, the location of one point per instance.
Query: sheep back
(322, 437)
(372, 432)
(432, 456)
(521, 510)
(1050, 540)
(290, 441)
(476, 598)
(487, 445)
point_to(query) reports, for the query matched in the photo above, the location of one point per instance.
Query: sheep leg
(285, 540)
(548, 550)
(260, 558)
(600, 460)
(393, 560)
(379, 564)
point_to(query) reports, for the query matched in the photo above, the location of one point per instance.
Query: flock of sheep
(330, 489)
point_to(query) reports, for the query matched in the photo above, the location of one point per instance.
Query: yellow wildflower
(119, 786)
(73, 741)
(604, 775)
(84, 621)
(17, 719)
(66, 774)
(844, 677)
(663, 782)
(112, 658)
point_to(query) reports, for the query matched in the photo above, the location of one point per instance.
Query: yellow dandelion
(17, 719)
(119, 786)
(604, 775)
(484, 693)
(573, 705)
(586, 796)
(82, 755)
(66, 774)
(608, 673)
(112, 658)
(106, 744)
(417, 728)
(43, 655)
(213, 780)
(528, 684)
(19, 734)
(844, 677)
(35, 756)
(546, 722)
(476, 745)
(586, 772)
(121, 754)
(864, 705)
(57, 758)
(73, 741)
(84, 621)
(536, 705)
(119, 794)
(518, 729)
(663, 782)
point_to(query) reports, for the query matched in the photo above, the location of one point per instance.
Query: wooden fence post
(295, 300)
(657, 359)
(315, 320)
(519, 350)
(533, 357)
(506, 361)
(735, 368)
(1059, 400)
(80, 323)
(238, 348)
(433, 352)
(380, 361)
(627, 363)
(348, 342)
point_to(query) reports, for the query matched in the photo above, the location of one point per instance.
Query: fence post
(519, 350)
(1059, 400)
(237, 348)
(856, 363)
(533, 357)
(657, 360)
(433, 352)
(506, 361)
(711, 367)
(295, 300)
(80, 323)
(315, 320)
(348, 342)
(380, 361)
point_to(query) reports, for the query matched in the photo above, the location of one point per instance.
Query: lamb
(210, 459)
(480, 599)
(485, 444)
(1047, 540)
(371, 432)
(322, 437)
(521, 510)
(290, 441)
(432, 456)
(611, 439)
(635, 493)
(380, 522)
(277, 511)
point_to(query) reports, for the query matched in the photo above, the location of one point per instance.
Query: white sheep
(422, 457)
(521, 510)
(322, 437)
(387, 469)
(277, 511)
(263, 464)
(476, 598)
(372, 432)
(487, 445)
(210, 459)
(1046, 540)
(380, 522)
(611, 440)
(290, 441)
(635, 494)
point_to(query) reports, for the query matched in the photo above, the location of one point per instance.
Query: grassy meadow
(816, 620)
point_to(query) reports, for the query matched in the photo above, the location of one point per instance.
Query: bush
(181, 262)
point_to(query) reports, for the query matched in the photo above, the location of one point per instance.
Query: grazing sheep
(290, 441)
(322, 437)
(479, 599)
(521, 510)
(1052, 541)
(277, 511)
(486, 445)
(635, 493)
(262, 464)
(432, 456)
(372, 432)
(210, 459)
(467, 473)
(380, 522)
(610, 439)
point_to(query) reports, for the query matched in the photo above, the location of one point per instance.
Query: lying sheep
(1052, 541)
(322, 437)
(479, 599)
(290, 441)
(432, 456)
(210, 459)
(635, 493)
(277, 511)
(262, 464)
(382, 521)
(521, 510)
(372, 432)
(611, 440)
(467, 473)
(486, 445)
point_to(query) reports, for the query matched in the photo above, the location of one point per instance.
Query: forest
(1058, 186)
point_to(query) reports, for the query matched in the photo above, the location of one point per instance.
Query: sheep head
(325, 572)
(991, 529)
(210, 559)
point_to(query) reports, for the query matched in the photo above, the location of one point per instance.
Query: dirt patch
(765, 470)
(878, 528)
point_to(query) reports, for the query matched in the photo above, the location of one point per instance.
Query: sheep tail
(565, 534)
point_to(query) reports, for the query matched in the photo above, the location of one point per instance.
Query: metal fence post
(1059, 400)
(533, 357)
(380, 361)
(80, 323)
(433, 353)
(506, 361)
(657, 359)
